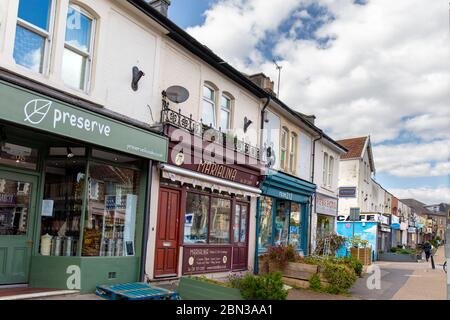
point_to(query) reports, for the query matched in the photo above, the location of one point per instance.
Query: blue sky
(362, 60)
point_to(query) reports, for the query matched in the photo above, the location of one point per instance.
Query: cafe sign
(199, 259)
(27, 108)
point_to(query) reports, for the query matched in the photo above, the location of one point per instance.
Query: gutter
(313, 155)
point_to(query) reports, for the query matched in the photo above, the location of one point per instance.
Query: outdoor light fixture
(137, 75)
(247, 123)
(70, 153)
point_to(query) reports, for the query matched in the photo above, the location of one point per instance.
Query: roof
(355, 147)
(418, 206)
(444, 208)
(180, 36)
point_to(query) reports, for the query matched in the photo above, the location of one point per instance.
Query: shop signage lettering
(7, 198)
(24, 107)
(326, 205)
(362, 217)
(206, 259)
(217, 170)
(285, 195)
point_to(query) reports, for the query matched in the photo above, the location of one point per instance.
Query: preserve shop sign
(206, 259)
(27, 108)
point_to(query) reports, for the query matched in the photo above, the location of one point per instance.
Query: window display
(63, 200)
(15, 197)
(111, 210)
(281, 223)
(265, 223)
(325, 225)
(220, 221)
(295, 225)
(196, 218)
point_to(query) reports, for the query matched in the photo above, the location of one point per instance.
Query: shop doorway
(17, 213)
(167, 233)
(240, 235)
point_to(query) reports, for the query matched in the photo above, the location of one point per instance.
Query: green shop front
(282, 216)
(74, 193)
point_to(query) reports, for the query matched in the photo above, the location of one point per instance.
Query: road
(406, 281)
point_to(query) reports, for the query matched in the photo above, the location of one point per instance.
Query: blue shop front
(282, 215)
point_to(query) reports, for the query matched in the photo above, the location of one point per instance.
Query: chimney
(161, 5)
(263, 81)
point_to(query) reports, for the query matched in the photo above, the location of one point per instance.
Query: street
(406, 281)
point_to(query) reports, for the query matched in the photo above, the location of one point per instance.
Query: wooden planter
(362, 254)
(193, 289)
(295, 274)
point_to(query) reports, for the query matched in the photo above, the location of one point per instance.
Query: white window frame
(292, 151)
(213, 102)
(229, 111)
(283, 148)
(330, 170)
(47, 35)
(88, 55)
(325, 168)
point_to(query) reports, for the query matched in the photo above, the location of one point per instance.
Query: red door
(166, 256)
(240, 237)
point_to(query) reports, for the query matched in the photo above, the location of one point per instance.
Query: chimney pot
(161, 5)
(263, 82)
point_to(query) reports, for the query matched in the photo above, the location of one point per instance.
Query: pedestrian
(427, 247)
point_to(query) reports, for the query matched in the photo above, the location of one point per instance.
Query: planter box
(193, 289)
(297, 274)
(397, 257)
(362, 254)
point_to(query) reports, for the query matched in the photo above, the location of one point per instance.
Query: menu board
(208, 259)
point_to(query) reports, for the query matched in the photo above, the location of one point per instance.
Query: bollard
(432, 262)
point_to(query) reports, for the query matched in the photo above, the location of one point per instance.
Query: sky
(363, 67)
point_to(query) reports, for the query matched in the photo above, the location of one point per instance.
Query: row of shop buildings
(382, 219)
(131, 152)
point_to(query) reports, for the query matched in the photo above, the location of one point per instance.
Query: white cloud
(425, 195)
(387, 71)
(414, 160)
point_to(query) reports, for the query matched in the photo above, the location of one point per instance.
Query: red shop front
(206, 214)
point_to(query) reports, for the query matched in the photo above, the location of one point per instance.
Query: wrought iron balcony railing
(206, 132)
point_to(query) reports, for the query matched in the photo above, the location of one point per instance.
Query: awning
(395, 226)
(204, 181)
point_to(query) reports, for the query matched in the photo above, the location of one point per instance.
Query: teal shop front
(74, 192)
(283, 210)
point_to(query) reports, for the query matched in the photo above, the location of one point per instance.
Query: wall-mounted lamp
(70, 154)
(137, 75)
(247, 123)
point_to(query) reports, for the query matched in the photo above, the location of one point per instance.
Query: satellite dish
(177, 94)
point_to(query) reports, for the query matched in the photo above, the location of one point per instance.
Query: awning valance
(204, 181)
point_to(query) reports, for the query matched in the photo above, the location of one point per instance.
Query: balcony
(206, 132)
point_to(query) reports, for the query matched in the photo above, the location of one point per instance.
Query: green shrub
(314, 283)
(394, 249)
(265, 287)
(281, 255)
(353, 263)
(340, 276)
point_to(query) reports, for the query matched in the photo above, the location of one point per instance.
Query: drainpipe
(313, 155)
(256, 268)
(146, 220)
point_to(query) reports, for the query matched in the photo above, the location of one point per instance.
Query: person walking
(427, 247)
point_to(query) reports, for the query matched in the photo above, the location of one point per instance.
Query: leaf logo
(36, 110)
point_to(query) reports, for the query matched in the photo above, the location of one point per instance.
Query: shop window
(18, 156)
(196, 218)
(209, 106)
(113, 194)
(240, 224)
(33, 36)
(325, 225)
(265, 222)
(225, 113)
(220, 221)
(62, 205)
(78, 48)
(281, 223)
(115, 158)
(295, 225)
(68, 152)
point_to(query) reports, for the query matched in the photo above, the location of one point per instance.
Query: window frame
(226, 110)
(325, 168)
(292, 151)
(330, 170)
(284, 147)
(208, 100)
(46, 35)
(89, 56)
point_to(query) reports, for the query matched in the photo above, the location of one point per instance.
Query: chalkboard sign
(129, 246)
